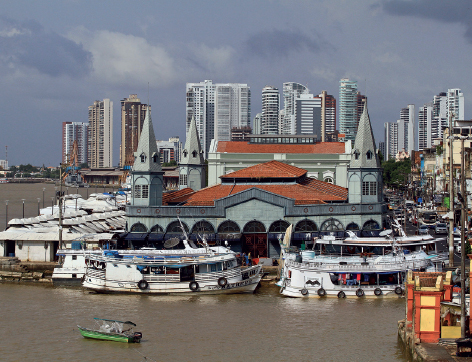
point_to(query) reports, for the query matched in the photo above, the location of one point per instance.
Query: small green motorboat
(111, 330)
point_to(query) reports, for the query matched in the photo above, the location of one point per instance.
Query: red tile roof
(303, 195)
(240, 147)
(271, 169)
(325, 187)
(177, 196)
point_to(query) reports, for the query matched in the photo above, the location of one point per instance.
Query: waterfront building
(74, 131)
(252, 207)
(270, 110)
(133, 113)
(326, 161)
(4, 164)
(217, 108)
(291, 92)
(100, 134)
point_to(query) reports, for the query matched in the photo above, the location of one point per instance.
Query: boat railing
(206, 277)
(165, 259)
(366, 266)
(96, 273)
(162, 278)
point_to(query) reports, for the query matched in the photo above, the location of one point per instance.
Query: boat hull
(115, 337)
(335, 293)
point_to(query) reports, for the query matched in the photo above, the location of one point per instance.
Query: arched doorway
(255, 239)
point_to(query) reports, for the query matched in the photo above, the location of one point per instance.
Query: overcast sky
(57, 57)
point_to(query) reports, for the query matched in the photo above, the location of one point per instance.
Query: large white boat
(208, 270)
(356, 266)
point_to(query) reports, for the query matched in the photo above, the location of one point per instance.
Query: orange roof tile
(320, 147)
(271, 169)
(176, 196)
(303, 195)
(325, 187)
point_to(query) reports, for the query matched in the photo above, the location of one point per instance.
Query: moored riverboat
(201, 270)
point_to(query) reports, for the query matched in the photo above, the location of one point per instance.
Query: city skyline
(59, 59)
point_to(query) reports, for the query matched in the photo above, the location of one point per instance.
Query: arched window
(332, 225)
(356, 154)
(328, 180)
(194, 153)
(369, 185)
(228, 227)
(143, 157)
(174, 228)
(203, 227)
(279, 226)
(154, 157)
(369, 155)
(305, 226)
(254, 227)
(138, 228)
(157, 229)
(371, 225)
(352, 226)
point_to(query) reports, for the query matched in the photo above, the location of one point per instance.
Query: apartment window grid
(369, 188)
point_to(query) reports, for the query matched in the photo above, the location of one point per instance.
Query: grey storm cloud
(457, 11)
(279, 43)
(28, 44)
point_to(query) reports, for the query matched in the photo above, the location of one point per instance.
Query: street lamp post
(52, 205)
(39, 213)
(6, 214)
(23, 207)
(451, 192)
(44, 189)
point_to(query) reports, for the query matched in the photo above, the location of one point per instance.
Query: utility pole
(451, 192)
(463, 228)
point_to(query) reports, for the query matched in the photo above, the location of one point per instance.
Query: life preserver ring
(341, 294)
(142, 284)
(377, 291)
(321, 292)
(304, 291)
(222, 282)
(398, 291)
(193, 286)
(359, 292)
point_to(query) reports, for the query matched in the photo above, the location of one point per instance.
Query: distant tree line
(32, 171)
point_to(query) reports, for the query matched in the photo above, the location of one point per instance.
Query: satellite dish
(170, 243)
(385, 232)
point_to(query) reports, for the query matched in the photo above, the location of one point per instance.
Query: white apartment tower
(291, 91)
(100, 134)
(217, 108)
(455, 104)
(348, 113)
(391, 140)
(270, 110)
(74, 131)
(425, 126)
(406, 127)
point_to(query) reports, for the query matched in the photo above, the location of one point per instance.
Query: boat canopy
(112, 320)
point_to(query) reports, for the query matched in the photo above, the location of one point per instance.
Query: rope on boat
(144, 357)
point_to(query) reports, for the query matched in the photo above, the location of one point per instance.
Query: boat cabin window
(354, 279)
(74, 257)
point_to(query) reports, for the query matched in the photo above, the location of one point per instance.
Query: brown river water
(39, 323)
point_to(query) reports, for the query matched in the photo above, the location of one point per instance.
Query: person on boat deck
(249, 260)
(245, 259)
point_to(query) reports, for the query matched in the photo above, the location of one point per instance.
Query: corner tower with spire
(192, 165)
(147, 174)
(365, 183)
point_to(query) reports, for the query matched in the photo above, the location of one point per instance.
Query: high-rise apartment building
(291, 91)
(328, 115)
(270, 110)
(425, 126)
(308, 117)
(133, 113)
(257, 124)
(406, 129)
(348, 112)
(100, 134)
(382, 151)
(391, 140)
(217, 108)
(455, 104)
(74, 131)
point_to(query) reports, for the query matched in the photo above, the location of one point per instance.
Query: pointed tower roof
(192, 153)
(364, 153)
(146, 157)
